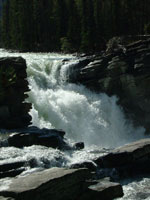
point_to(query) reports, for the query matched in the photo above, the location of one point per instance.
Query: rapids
(95, 119)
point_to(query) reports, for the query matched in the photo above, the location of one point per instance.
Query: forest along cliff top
(71, 26)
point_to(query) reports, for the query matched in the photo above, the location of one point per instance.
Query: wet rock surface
(124, 71)
(35, 136)
(129, 160)
(55, 183)
(6, 198)
(103, 189)
(87, 164)
(13, 109)
(12, 169)
(59, 184)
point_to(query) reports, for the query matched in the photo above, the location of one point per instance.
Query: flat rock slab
(55, 183)
(6, 198)
(35, 136)
(138, 151)
(104, 190)
(139, 148)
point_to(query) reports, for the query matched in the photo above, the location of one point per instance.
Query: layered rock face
(60, 184)
(128, 161)
(13, 85)
(123, 71)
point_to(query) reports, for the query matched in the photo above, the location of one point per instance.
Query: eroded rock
(87, 164)
(9, 166)
(12, 169)
(131, 159)
(13, 110)
(124, 71)
(6, 198)
(103, 189)
(60, 184)
(35, 136)
(55, 183)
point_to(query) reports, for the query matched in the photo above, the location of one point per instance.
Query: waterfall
(95, 119)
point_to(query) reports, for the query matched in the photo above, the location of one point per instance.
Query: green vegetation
(70, 25)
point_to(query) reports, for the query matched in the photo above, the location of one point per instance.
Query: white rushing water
(84, 115)
(95, 119)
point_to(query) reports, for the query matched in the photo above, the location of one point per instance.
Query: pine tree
(5, 27)
(74, 26)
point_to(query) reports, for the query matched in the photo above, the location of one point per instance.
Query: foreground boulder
(54, 183)
(13, 88)
(131, 159)
(36, 136)
(60, 184)
(124, 71)
(103, 189)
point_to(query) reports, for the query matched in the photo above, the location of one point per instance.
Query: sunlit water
(95, 119)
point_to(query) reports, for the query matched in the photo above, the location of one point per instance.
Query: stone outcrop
(35, 136)
(12, 169)
(6, 198)
(124, 71)
(103, 189)
(13, 88)
(86, 164)
(129, 160)
(60, 184)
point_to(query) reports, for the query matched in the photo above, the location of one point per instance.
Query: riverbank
(71, 107)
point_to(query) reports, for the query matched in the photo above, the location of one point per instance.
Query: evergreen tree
(5, 26)
(70, 25)
(74, 26)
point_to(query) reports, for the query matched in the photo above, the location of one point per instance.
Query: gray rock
(13, 110)
(12, 169)
(78, 146)
(103, 189)
(6, 198)
(120, 72)
(131, 159)
(12, 173)
(87, 164)
(9, 166)
(55, 183)
(36, 136)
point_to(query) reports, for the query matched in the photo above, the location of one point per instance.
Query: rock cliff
(13, 88)
(123, 70)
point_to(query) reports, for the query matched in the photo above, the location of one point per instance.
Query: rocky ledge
(59, 184)
(122, 70)
(33, 135)
(13, 88)
(87, 180)
(127, 161)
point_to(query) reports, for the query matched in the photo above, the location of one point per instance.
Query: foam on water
(95, 119)
(137, 190)
(84, 115)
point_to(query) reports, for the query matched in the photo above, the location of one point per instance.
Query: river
(95, 119)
